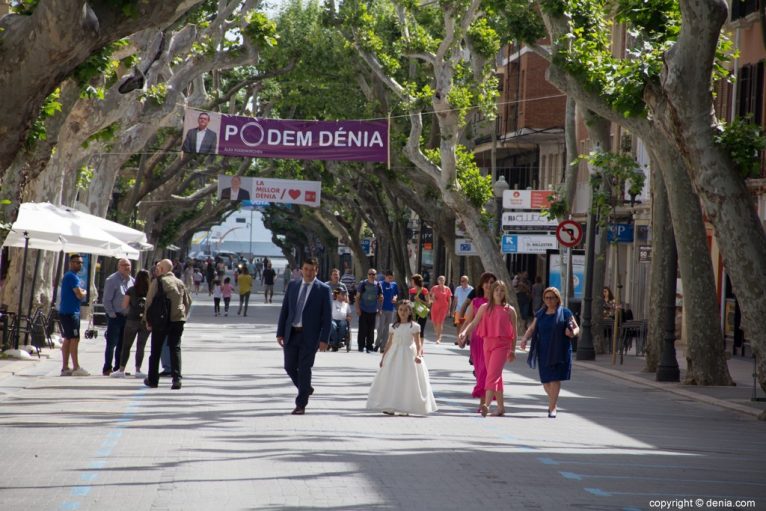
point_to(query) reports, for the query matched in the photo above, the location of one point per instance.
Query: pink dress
(440, 303)
(498, 333)
(477, 354)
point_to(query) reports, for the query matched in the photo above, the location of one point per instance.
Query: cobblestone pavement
(227, 441)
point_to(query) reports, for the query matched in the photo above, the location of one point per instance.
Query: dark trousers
(299, 359)
(366, 335)
(244, 299)
(422, 322)
(114, 330)
(133, 328)
(173, 334)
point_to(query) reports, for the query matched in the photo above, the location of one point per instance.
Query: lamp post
(498, 188)
(585, 349)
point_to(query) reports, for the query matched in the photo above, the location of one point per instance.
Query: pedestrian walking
(551, 332)
(441, 296)
(495, 322)
(268, 283)
(217, 295)
(481, 296)
(387, 314)
(177, 303)
(402, 384)
(370, 299)
(134, 303)
(303, 327)
(349, 280)
(245, 286)
(198, 277)
(115, 287)
(226, 291)
(210, 276)
(421, 302)
(459, 298)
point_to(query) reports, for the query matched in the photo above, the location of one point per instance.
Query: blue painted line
(551, 461)
(88, 476)
(97, 464)
(109, 443)
(104, 452)
(579, 477)
(603, 493)
(80, 491)
(114, 434)
(69, 506)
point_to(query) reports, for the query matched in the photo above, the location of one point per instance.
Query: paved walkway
(226, 441)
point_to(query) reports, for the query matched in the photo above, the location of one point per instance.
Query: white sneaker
(80, 372)
(139, 374)
(117, 374)
(66, 372)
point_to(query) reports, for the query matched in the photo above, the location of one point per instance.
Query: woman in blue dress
(551, 332)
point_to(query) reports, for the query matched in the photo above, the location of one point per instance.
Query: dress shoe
(164, 373)
(176, 385)
(299, 410)
(552, 414)
(150, 385)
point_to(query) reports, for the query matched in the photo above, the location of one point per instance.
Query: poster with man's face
(201, 132)
(236, 188)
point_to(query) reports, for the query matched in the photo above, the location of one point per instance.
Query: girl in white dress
(402, 384)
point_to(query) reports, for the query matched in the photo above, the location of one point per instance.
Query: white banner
(529, 220)
(257, 189)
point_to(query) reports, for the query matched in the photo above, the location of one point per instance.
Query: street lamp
(498, 188)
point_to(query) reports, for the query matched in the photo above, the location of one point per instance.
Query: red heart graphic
(294, 193)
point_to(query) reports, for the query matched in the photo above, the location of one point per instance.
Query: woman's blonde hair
(555, 292)
(491, 301)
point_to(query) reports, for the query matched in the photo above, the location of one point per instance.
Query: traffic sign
(569, 233)
(465, 247)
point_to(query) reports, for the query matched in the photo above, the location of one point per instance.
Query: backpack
(158, 313)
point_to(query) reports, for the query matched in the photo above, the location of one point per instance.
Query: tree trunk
(705, 356)
(40, 50)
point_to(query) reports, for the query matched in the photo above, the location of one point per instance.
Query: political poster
(234, 135)
(258, 190)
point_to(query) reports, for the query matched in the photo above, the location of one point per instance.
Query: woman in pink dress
(481, 294)
(441, 296)
(495, 323)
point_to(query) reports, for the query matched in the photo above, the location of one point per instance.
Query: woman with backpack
(135, 305)
(421, 302)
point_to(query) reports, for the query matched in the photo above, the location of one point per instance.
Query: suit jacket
(317, 313)
(241, 195)
(208, 142)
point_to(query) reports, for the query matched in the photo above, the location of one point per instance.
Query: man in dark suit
(200, 139)
(304, 326)
(234, 192)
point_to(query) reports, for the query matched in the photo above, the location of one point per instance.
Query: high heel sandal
(499, 412)
(484, 410)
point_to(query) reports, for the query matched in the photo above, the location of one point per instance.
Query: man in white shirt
(458, 298)
(200, 140)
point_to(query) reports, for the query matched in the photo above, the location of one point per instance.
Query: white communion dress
(402, 385)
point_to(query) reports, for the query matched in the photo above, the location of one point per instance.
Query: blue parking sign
(510, 244)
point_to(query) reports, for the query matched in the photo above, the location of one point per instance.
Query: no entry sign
(569, 233)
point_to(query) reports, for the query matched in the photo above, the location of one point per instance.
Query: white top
(200, 138)
(340, 310)
(217, 292)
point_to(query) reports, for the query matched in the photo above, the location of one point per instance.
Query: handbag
(420, 309)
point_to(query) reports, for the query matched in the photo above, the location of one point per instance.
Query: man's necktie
(301, 302)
